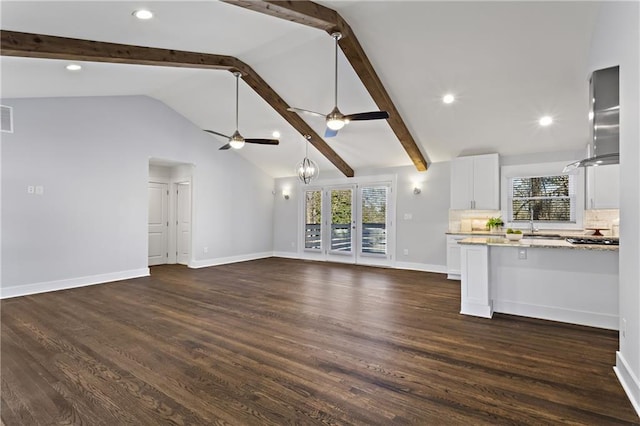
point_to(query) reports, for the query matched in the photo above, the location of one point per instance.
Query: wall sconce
(285, 194)
(417, 190)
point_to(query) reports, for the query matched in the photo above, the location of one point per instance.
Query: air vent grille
(7, 118)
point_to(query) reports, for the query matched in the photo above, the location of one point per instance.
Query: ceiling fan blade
(223, 147)
(373, 115)
(263, 141)
(305, 111)
(216, 133)
(329, 133)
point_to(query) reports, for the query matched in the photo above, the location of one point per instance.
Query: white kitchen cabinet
(453, 256)
(602, 187)
(475, 182)
(475, 292)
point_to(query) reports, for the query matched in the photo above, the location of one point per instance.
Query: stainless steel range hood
(604, 119)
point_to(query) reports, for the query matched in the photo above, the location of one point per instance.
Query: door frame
(323, 185)
(176, 185)
(177, 177)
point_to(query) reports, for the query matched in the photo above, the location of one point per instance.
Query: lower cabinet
(475, 295)
(453, 256)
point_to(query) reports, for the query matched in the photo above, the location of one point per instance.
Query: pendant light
(307, 169)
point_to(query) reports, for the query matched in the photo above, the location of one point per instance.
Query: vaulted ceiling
(508, 63)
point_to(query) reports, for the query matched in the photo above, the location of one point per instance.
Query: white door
(158, 223)
(349, 223)
(183, 223)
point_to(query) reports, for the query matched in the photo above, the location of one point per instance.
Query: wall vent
(7, 118)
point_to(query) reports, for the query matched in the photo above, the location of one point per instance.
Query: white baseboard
(424, 267)
(553, 313)
(628, 380)
(476, 310)
(43, 287)
(195, 264)
(286, 254)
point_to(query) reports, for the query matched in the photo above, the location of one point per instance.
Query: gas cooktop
(601, 241)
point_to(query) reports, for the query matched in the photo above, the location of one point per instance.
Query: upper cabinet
(602, 187)
(475, 182)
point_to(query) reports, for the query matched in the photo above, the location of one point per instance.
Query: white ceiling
(508, 63)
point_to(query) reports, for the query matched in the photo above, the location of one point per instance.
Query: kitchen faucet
(531, 227)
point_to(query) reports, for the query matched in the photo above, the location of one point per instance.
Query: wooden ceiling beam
(302, 12)
(317, 16)
(29, 45)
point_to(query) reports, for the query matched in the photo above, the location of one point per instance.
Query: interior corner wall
(616, 41)
(91, 157)
(421, 220)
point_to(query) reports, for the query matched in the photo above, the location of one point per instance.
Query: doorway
(349, 223)
(170, 212)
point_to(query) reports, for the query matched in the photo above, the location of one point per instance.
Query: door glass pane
(341, 220)
(313, 220)
(374, 220)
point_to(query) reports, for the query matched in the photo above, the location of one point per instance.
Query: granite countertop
(542, 243)
(576, 233)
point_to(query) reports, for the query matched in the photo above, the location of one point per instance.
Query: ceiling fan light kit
(236, 141)
(336, 120)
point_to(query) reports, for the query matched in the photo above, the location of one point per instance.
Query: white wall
(91, 155)
(616, 41)
(423, 235)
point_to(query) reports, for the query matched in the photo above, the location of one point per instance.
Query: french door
(348, 223)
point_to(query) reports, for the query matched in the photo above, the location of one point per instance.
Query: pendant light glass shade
(307, 169)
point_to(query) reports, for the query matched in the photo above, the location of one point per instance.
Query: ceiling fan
(236, 140)
(335, 119)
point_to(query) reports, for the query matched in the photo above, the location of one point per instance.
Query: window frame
(509, 172)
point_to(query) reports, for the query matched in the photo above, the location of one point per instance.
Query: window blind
(543, 198)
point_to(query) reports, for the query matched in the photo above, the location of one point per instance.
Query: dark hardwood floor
(279, 341)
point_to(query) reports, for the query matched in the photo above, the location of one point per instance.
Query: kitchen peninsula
(540, 278)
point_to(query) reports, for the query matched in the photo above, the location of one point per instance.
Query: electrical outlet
(406, 252)
(408, 216)
(206, 250)
(31, 189)
(522, 253)
(39, 189)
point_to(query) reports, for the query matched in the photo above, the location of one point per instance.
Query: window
(374, 220)
(313, 220)
(550, 199)
(341, 212)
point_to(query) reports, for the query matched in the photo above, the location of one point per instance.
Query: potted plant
(494, 224)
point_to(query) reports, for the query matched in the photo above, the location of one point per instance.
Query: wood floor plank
(279, 341)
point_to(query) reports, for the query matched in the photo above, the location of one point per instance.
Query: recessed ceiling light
(275, 134)
(73, 67)
(143, 14)
(448, 98)
(546, 120)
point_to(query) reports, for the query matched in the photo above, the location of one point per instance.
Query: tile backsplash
(475, 220)
(607, 219)
(470, 220)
